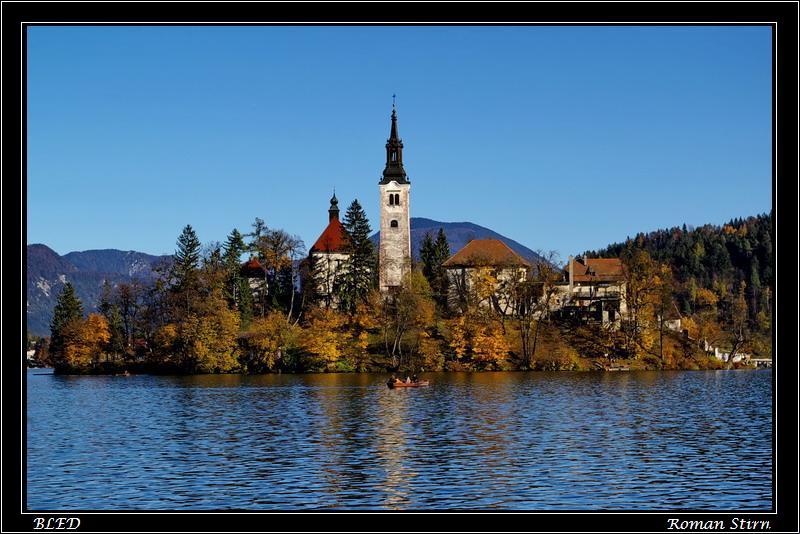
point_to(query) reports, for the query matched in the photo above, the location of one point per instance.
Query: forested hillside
(712, 262)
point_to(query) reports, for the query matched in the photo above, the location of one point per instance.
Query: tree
(83, 343)
(268, 344)
(185, 267)
(433, 255)
(278, 253)
(110, 310)
(532, 300)
(735, 322)
(404, 318)
(237, 290)
(68, 310)
(358, 272)
(323, 339)
(207, 337)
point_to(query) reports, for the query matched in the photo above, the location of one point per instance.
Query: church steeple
(333, 211)
(394, 154)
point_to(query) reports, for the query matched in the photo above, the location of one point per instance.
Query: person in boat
(414, 378)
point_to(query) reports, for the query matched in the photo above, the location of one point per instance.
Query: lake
(532, 441)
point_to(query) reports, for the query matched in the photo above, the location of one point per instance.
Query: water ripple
(536, 441)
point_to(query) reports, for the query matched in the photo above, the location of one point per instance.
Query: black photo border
(781, 16)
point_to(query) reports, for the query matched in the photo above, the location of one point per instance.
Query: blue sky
(562, 138)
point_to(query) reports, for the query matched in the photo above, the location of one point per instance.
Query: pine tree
(426, 256)
(433, 255)
(186, 265)
(441, 254)
(359, 271)
(68, 309)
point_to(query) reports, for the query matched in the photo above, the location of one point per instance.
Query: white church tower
(395, 244)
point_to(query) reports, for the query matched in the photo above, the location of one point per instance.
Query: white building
(395, 243)
(329, 256)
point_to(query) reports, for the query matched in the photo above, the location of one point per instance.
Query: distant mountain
(47, 272)
(458, 234)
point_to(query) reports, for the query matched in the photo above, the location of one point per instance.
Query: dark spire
(394, 154)
(333, 211)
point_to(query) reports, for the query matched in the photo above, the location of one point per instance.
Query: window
(393, 224)
(397, 199)
(391, 200)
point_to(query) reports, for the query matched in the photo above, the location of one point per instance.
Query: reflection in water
(536, 441)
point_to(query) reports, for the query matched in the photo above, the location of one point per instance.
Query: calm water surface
(536, 441)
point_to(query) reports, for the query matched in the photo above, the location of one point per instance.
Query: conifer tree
(433, 255)
(68, 309)
(186, 265)
(358, 274)
(237, 290)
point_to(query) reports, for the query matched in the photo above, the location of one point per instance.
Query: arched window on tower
(391, 199)
(397, 199)
(393, 224)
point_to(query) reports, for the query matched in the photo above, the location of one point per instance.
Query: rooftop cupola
(333, 211)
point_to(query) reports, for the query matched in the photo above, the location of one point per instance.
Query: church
(329, 253)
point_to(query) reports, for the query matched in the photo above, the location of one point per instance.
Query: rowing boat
(400, 384)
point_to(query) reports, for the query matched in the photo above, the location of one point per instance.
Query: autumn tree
(278, 253)
(404, 318)
(84, 341)
(735, 322)
(323, 339)
(532, 300)
(269, 344)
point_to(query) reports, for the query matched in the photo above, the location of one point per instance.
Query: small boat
(401, 384)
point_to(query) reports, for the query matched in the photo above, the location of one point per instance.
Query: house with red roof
(256, 276)
(480, 270)
(594, 289)
(328, 256)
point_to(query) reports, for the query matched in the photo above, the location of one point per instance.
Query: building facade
(481, 273)
(395, 242)
(594, 289)
(328, 257)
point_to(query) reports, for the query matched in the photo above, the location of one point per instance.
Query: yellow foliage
(84, 340)
(458, 336)
(208, 336)
(322, 338)
(267, 339)
(489, 346)
(705, 298)
(690, 325)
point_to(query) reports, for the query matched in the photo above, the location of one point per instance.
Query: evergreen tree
(426, 256)
(441, 254)
(186, 265)
(359, 271)
(433, 255)
(68, 309)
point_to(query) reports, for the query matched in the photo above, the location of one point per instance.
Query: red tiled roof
(333, 239)
(597, 270)
(252, 269)
(484, 253)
